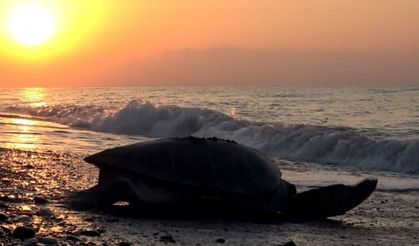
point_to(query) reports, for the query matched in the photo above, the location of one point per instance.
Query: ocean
(317, 135)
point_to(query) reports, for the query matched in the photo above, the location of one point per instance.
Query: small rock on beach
(23, 232)
(3, 217)
(48, 240)
(167, 239)
(40, 200)
(220, 240)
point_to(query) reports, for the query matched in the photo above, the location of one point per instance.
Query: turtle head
(285, 192)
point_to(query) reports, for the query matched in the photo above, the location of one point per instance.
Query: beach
(34, 187)
(317, 136)
(262, 115)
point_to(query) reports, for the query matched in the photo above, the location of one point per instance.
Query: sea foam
(321, 144)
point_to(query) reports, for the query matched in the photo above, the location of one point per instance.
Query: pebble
(45, 212)
(6, 180)
(23, 232)
(289, 243)
(220, 240)
(29, 166)
(89, 219)
(3, 217)
(73, 238)
(2, 233)
(124, 244)
(5, 229)
(48, 240)
(23, 219)
(40, 200)
(29, 242)
(91, 233)
(10, 198)
(167, 239)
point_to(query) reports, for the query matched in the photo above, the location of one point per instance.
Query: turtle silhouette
(204, 175)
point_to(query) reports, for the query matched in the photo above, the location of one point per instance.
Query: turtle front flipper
(101, 196)
(328, 201)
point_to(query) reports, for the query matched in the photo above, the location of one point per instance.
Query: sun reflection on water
(34, 97)
(24, 130)
(24, 137)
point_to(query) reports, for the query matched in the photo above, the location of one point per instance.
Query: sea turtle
(202, 175)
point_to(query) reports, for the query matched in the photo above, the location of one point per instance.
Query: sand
(34, 186)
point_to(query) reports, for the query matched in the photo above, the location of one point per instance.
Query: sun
(31, 24)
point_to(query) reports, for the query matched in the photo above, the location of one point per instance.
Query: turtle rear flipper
(329, 201)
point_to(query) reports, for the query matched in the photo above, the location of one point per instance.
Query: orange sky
(166, 42)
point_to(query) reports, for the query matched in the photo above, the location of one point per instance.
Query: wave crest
(336, 145)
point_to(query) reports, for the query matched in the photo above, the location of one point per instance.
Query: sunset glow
(50, 43)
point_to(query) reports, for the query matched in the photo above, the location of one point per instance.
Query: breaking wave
(326, 145)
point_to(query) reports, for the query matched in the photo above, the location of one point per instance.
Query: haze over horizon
(269, 42)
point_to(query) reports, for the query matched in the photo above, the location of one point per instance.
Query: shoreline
(34, 185)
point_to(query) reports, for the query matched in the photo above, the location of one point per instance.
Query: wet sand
(34, 186)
